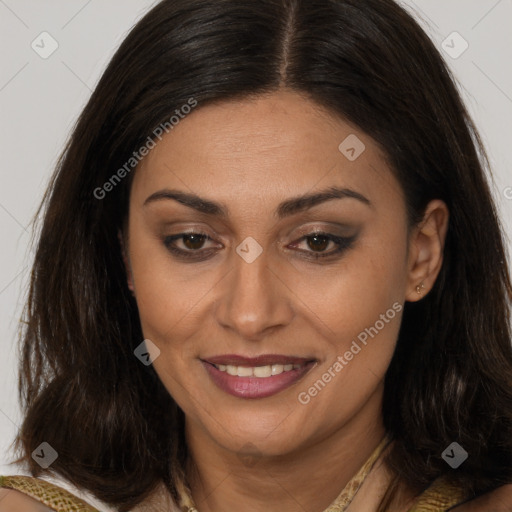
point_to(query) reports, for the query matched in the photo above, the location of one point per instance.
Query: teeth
(257, 371)
(244, 371)
(277, 369)
(232, 370)
(262, 371)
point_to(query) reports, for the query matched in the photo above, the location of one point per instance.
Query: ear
(126, 262)
(426, 247)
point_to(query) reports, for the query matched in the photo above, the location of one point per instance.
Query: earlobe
(420, 288)
(426, 248)
(129, 277)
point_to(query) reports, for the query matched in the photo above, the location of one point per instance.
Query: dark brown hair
(116, 429)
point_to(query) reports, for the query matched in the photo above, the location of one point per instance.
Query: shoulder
(15, 501)
(29, 494)
(499, 500)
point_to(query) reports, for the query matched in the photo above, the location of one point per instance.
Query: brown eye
(189, 245)
(318, 242)
(194, 241)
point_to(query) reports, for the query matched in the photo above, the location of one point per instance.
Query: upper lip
(262, 360)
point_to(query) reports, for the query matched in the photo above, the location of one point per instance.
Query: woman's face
(321, 313)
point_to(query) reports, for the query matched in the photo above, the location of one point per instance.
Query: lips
(256, 377)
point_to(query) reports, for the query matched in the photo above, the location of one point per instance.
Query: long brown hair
(115, 427)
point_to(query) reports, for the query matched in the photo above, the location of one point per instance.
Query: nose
(255, 300)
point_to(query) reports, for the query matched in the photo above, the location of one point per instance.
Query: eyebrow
(285, 209)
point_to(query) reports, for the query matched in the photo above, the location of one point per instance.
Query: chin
(272, 435)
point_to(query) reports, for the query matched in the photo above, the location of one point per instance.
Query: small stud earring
(419, 288)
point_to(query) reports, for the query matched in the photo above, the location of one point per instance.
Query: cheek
(168, 303)
(168, 294)
(351, 297)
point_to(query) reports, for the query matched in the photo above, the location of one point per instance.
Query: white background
(41, 98)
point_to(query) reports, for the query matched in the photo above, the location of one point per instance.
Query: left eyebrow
(307, 201)
(285, 209)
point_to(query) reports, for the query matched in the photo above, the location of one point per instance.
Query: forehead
(262, 150)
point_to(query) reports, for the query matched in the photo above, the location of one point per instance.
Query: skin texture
(499, 500)
(250, 156)
(15, 501)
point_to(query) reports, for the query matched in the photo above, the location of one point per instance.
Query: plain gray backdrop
(53, 53)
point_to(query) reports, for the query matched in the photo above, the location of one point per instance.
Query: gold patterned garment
(439, 497)
(51, 495)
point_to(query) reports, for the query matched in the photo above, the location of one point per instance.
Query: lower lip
(255, 387)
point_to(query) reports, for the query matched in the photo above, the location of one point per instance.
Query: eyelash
(342, 243)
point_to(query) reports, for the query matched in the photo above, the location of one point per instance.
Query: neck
(310, 478)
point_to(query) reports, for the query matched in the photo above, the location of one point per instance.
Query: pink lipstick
(256, 377)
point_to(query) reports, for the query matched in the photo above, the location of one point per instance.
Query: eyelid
(342, 244)
(329, 228)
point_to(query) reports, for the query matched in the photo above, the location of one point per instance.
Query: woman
(270, 276)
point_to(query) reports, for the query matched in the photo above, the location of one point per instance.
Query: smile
(258, 377)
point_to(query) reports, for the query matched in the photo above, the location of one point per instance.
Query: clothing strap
(349, 491)
(51, 495)
(440, 496)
